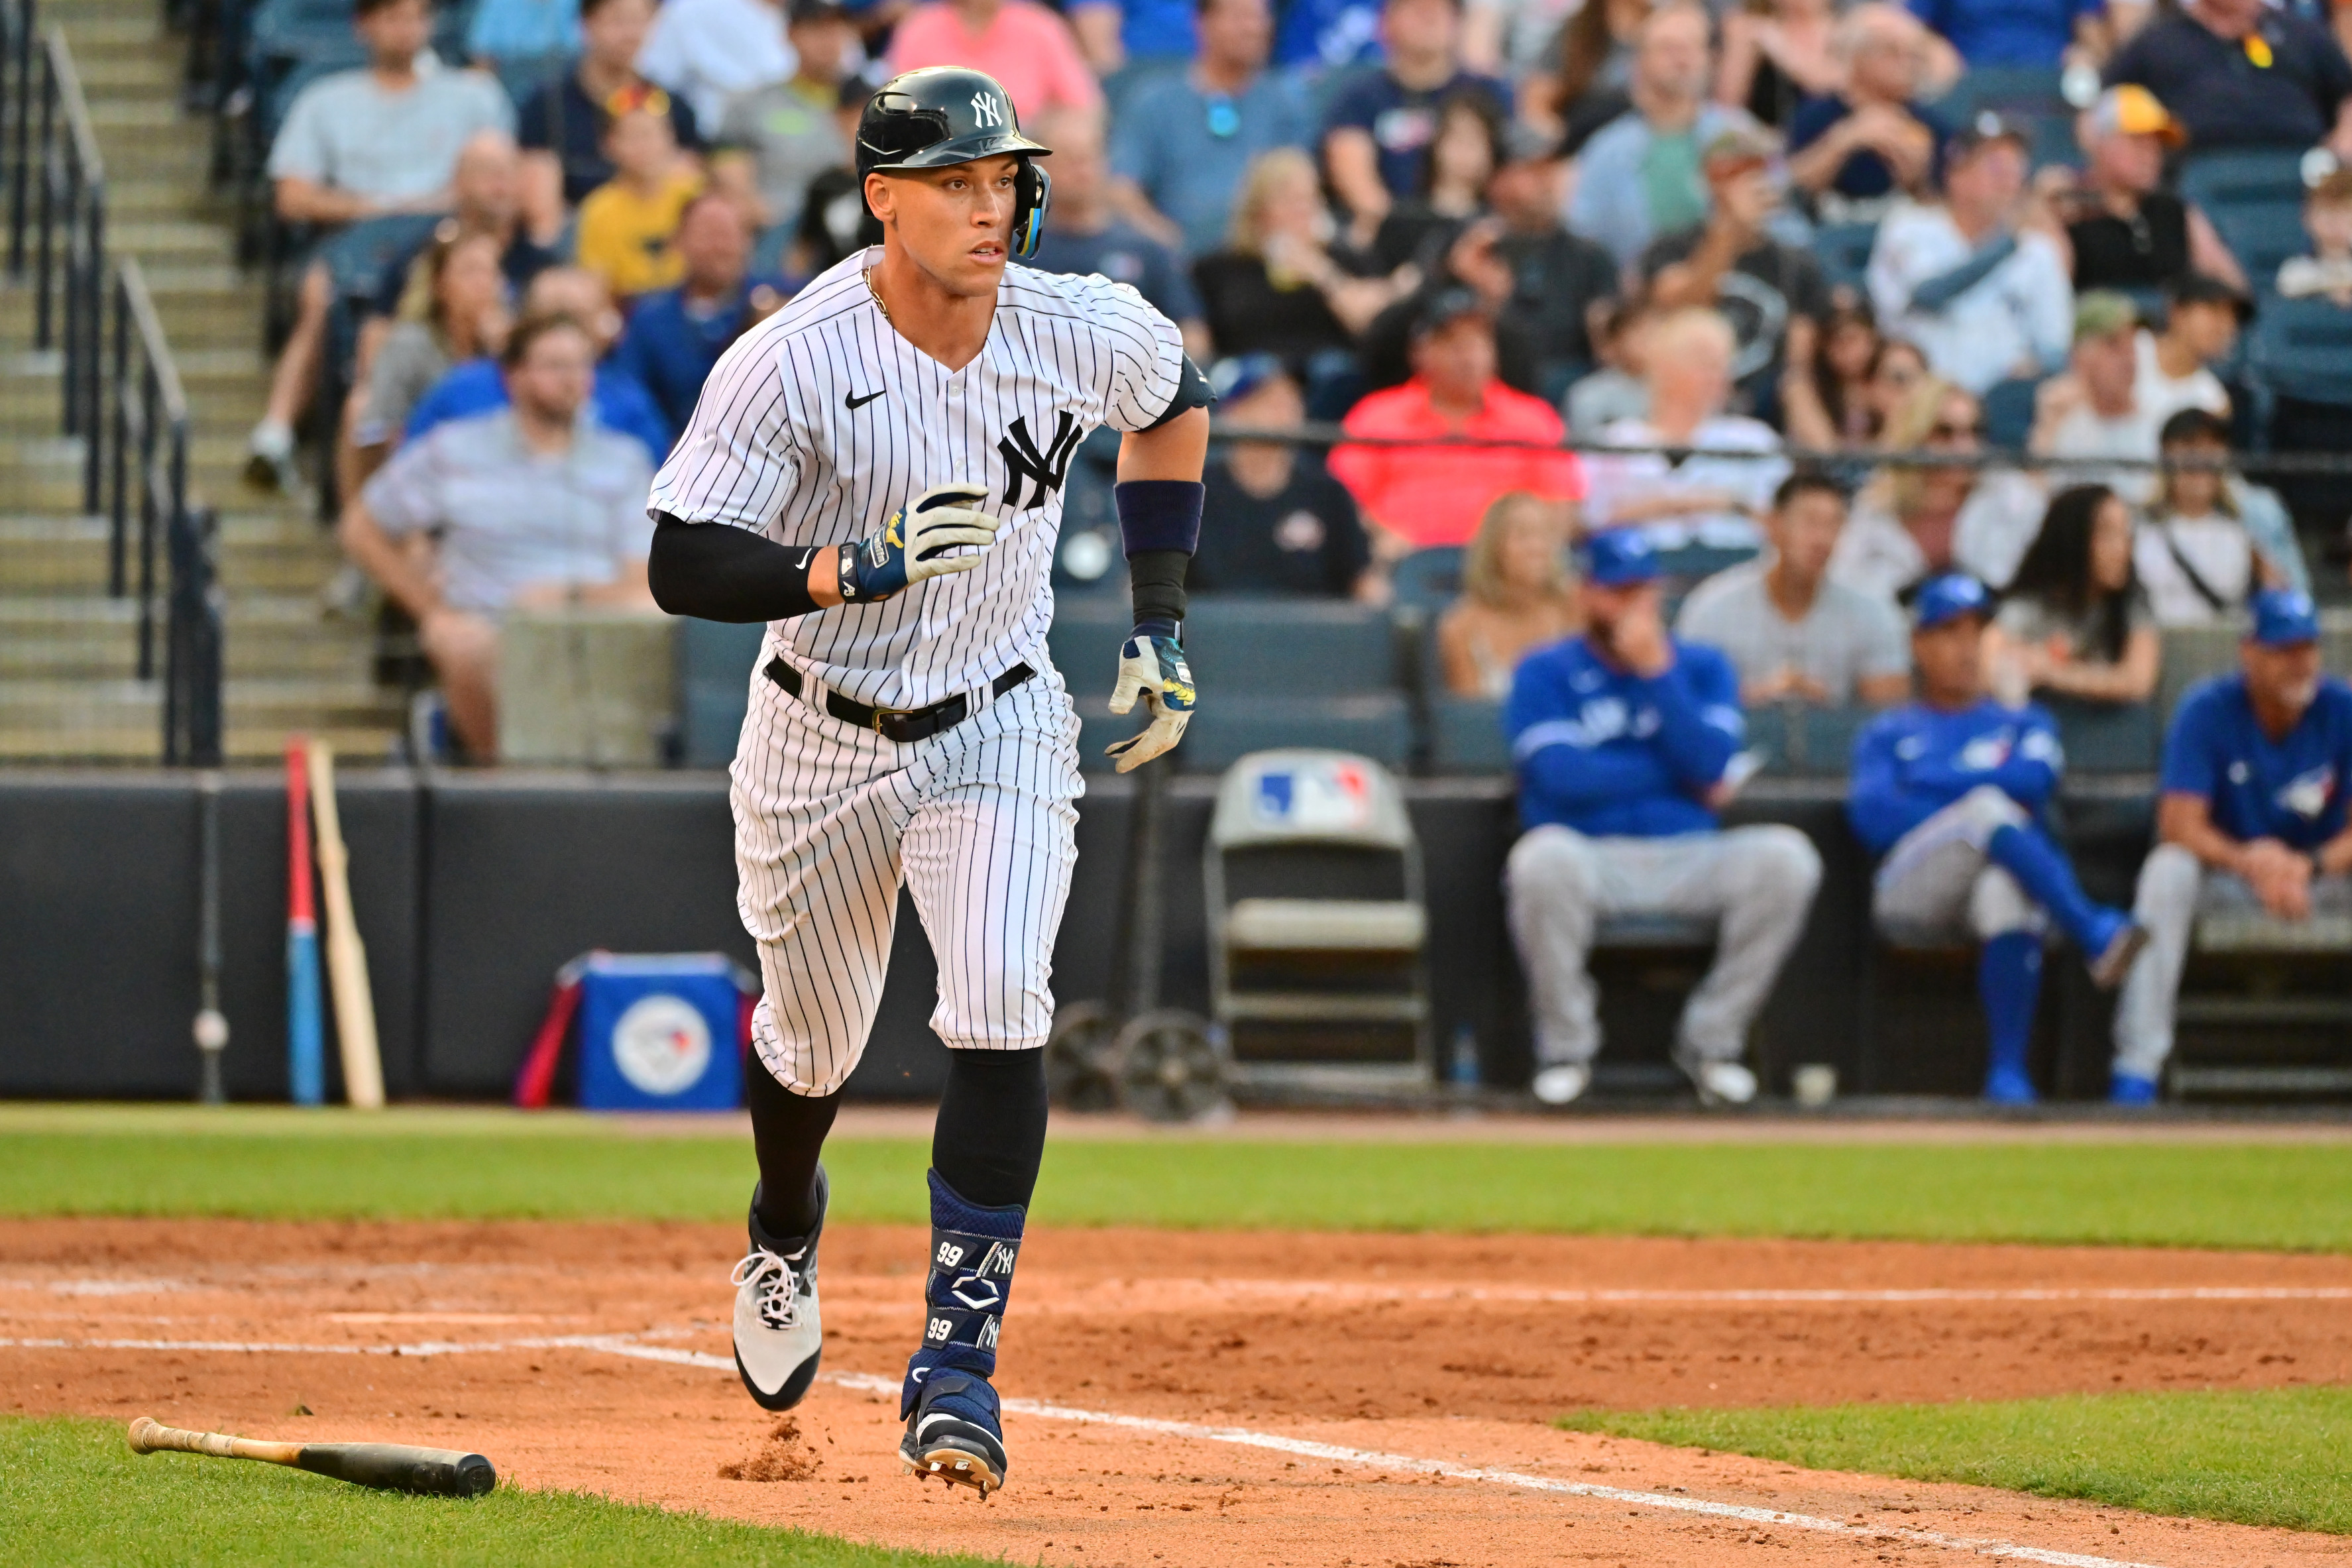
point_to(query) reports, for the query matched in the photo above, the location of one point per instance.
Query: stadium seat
(1466, 736)
(1429, 579)
(2262, 236)
(1830, 735)
(2254, 197)
(1290, 647)
(714, 674)
(1797, 739)
(2106, 737)
(1770, 728)
(1378, 725)
(2223, 181)
(1273, 672)
(2303, 349)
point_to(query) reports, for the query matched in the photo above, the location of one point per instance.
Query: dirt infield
(1291, 1400)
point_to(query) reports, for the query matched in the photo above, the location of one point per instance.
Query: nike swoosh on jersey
(851, 402)
(806, 557)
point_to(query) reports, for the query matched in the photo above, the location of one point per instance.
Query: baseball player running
(876, 472)
(1953, 791)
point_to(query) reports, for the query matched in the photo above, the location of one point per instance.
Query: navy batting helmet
(941, 115)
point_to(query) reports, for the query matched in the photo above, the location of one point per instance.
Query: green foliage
(2264, 1456)
(76, 1494)
(476, 1164)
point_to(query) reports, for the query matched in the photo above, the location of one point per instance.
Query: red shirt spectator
(1018, 42)
(1420, 496)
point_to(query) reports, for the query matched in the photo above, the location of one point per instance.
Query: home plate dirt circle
(1297, 1401)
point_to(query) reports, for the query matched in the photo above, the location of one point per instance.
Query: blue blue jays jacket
(1611, 754)
(1911, 763)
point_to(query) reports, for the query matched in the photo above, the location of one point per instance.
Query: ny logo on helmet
(1048, 468)
(985, 110)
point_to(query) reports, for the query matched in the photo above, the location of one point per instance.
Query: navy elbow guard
(1159, 523)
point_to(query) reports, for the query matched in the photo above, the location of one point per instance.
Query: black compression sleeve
(1156, 581)
(719, 573)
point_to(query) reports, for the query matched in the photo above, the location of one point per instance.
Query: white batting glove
(1153, 668)
(915, 543)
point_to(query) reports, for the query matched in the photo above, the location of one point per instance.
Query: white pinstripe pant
(830, 819)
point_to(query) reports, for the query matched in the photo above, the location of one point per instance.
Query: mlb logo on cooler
(656, 1032)
(1314, 797)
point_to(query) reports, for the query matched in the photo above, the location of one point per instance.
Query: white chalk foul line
(611, 1344)
(631, 1346)
(1771, 1297)
(1370, 1458)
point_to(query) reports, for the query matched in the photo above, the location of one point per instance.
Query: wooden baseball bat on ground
(395, 1467)
(347, 972)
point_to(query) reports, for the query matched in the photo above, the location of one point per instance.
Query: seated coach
(1626, 740)
(2251, 817)
(1951, 791)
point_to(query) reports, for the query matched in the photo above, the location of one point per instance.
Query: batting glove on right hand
(1153, 668)
(915, 542)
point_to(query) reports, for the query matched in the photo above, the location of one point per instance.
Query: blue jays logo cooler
(656, 1032)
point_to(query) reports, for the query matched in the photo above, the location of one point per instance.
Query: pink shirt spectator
(1022, 45)
(1436, 495)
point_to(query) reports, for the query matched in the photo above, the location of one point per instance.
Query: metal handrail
(146, 447)
(128, 405)
(74, 179)
(76, 106)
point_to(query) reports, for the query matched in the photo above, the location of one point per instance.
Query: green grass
(2269, 1456)
(74, 1493)
(482, 1165)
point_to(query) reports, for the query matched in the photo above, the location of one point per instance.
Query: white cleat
(1721, 1083)
(1562, 1085)
(779, 1337)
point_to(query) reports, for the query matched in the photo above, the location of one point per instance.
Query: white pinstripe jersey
(774, 446)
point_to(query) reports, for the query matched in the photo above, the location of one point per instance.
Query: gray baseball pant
(1756, 882)
(1937, 885)
(2175, 887)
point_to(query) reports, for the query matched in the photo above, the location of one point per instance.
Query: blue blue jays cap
(1616, 557)
(1948, 598)
(1233, 379)
(2283, 618)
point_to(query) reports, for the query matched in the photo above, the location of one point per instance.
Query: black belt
(904, 725)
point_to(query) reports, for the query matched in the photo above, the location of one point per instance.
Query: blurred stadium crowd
(2098, 234)
(1804, 304)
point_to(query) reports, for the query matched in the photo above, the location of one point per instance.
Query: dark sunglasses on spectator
(1945, 430)
(1225, 119)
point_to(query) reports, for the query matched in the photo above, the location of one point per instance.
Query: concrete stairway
(68, 686)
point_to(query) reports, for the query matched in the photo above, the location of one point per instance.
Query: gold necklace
(867, 273)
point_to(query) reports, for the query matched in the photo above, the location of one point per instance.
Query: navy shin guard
(972, 1253)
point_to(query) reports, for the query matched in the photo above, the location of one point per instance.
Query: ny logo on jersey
(985, 109)
(1048, 468)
